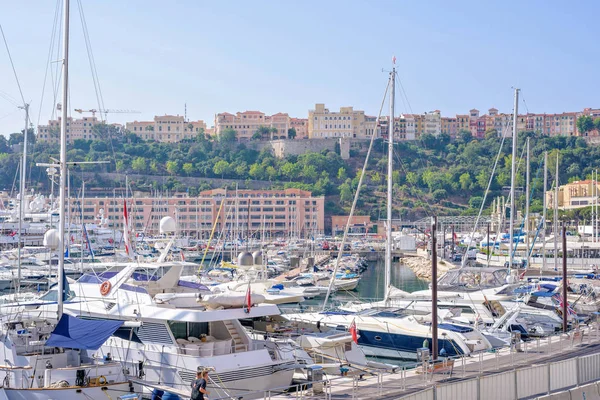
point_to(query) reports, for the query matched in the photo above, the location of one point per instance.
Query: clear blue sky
(285, 56)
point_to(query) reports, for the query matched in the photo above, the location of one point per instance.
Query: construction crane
(94, 111)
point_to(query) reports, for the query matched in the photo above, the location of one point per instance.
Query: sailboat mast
(388, 232)
(22, 195)
(556, 216)
(527, 205)
(545, 211)
(63, 159)
(513, 202)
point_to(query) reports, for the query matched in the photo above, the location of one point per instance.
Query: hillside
(432, 176)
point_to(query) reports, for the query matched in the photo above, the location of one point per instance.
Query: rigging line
(9, 98)
(91, 60)
(524, 102)
(49, 58)
(56, 72)
(12, 65)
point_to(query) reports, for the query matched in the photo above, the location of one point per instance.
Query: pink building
(275, 212)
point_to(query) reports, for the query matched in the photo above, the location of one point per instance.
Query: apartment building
(166, 128)
(576, 194)
(347, 123)
(449, 126)
(275, 212)
(247, 123)
(301, 127)
(432, 123)
(76, 129)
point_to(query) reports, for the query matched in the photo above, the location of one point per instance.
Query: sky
(284, 56)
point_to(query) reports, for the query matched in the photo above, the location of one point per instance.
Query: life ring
(105, 288)
(102, 380)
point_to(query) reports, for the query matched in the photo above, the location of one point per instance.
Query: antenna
(185, 112)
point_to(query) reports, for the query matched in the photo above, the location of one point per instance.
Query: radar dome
(245, 259)
(168, 225)
(258, 257)
(51, 239)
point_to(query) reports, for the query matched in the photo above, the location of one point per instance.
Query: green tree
(597, 124)
(257, 171)
(341, 174)
(309, 172)
(119, 165)
(188, 168)
(228, 136)
(221, 168)
(291, 170)
(345, 192)
(154, 166)
(465, 181)
(475, 202)
(172, 167)
(291, 133)
(271, 172)
(262, 133)
(584, 124)
(139, 164)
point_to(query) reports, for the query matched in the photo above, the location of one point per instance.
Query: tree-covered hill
(435, 175)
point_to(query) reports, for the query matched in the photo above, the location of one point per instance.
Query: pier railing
(537, 368)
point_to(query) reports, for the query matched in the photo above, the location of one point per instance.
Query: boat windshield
(467, 279)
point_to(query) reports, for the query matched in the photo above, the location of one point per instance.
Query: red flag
(248, 299)
(128, 249)
(353, 331)
(182, 256)
(394, 60)
(454, 237)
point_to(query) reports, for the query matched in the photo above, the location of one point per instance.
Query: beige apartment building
(76, 129)
(166, 128)
(275, 212)
(347, 123)
(247, 123)
(576, 194)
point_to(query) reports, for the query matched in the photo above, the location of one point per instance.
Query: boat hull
(110, 391)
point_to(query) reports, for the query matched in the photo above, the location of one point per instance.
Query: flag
(394, 60)
(128, 248)
(570, 311)
(454, 237)
(248, 299)
(182, 256)
(353, 331)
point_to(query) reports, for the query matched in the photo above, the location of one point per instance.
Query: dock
(566, 366)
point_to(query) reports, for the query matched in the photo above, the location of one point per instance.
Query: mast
(22, 195)
(63, 159)
(513, 201)
(545, 211)
(388, 231)
(556, 217)
(527, 206)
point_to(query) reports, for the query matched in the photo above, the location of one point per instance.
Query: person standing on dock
(199, 386)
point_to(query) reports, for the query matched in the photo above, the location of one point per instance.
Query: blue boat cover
(83, 334)
(543, 294)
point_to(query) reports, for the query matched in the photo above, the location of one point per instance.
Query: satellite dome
(168, 225)
(245, 259)
(258, 257)
(51, 239)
